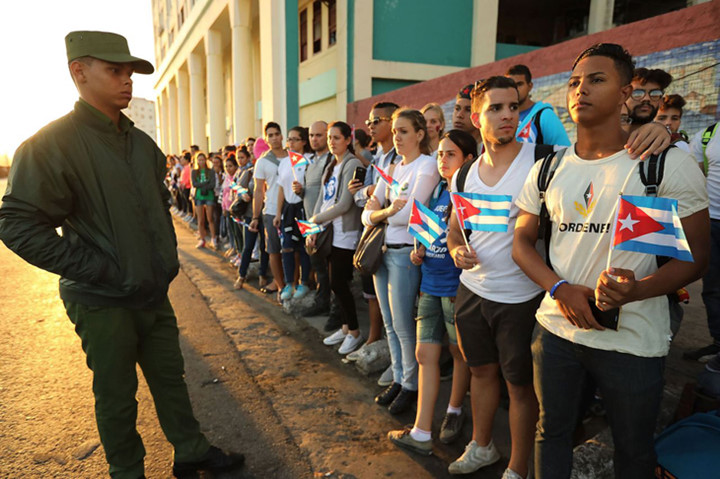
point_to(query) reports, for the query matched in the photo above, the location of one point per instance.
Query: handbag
(370, 249)
(323, 243)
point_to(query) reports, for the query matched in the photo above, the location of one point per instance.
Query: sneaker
(301, 291)
(286, 292)
(357, 354)
(386, 378)
(403, 401)
(200, 244)
(703, 355)
(335, 338)
(474, 458)
(451, 427)
(213, 461)
(350, 343)
(388, 395)
(510, 474)
(403, 439)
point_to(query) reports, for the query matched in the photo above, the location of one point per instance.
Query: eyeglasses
(639, 93)
(625, 120)
(294, 139)
(377, 120)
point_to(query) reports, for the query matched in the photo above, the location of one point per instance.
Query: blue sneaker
(286, 292)
(301, 291)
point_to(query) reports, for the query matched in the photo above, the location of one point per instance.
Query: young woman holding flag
(336, 209)
(436, 311)
(414, 177)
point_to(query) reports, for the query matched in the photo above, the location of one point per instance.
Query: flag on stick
(480, 212)
(238, 189)
(297, 159)
(424, 224)
(391, 182)
(307, 228)
(650, 225)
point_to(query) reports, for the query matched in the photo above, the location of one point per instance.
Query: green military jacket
(103, 185)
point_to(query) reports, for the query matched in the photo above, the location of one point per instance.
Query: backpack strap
(706, 137)
(547, 170)
(536, 122)
(652, 171)
(542, 151)
(462, 175)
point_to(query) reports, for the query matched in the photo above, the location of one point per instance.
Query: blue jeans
(631, 388)
(250, 237)
(396, 286)
(711, 283)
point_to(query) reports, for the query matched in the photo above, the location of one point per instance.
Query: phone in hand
(359, 174)
(607, 319)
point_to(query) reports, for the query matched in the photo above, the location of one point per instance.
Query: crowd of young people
(508, 314)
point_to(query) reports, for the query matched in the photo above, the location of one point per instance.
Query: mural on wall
(696, 76)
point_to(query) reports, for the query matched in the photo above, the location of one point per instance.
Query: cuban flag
(238, 189)
(424, 224)
(650, 225)
(297, 159)
(391, 182)
(307, 228)
(481, 212)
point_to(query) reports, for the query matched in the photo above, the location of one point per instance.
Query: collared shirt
(104, 185)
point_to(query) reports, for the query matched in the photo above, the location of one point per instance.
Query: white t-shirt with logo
(497, 277)
(286, 178)
(581, 200)
(341, 239)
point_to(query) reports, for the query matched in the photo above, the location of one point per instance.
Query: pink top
(228, 195)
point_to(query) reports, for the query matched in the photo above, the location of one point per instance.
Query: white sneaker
(335, 338)
(357, 354)
(510, 474)
(474, 458)
(350, 343)
(386, 378)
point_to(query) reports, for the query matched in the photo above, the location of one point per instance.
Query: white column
(363, 45)
(172, 119)
(215, 103)
(183, 93)
(484, 31)
(601, 15)
(243, 106)
(272, 57)
(197, 102)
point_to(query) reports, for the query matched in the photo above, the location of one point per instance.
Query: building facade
(142, 113)
(225, 67)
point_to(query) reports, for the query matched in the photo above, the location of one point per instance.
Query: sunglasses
(377, 120)
(639, 94)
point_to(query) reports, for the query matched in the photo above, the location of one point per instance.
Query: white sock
(454, 410)
(420, 435)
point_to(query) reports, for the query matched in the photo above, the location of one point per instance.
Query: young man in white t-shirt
(626, 364)
(496, 303)
(266, 190)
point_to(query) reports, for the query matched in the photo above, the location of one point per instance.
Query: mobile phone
(608, 319)
(359, 174)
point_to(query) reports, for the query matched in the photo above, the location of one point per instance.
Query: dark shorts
(368, 287)
(272, 237)
(490, 332)
(204, 202)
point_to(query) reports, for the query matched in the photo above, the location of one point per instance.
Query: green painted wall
(422, 31)
(350, 50)
(506, 50)
(384, 85)
(292, 50)
(319, 87)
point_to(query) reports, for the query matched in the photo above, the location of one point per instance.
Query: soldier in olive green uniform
(98, 177)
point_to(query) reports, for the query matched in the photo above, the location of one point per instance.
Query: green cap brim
(140, 65)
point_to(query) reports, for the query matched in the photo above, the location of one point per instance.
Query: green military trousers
(115, 340)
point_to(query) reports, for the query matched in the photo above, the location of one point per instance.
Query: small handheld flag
(297, 159)
(389, 180)
(307, 228)
(424, 224)
(650, 225)
(481, 212)
(238, 189)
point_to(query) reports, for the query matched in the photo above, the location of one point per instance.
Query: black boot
(213, 461)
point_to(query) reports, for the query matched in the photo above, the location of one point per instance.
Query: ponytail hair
(418, 122)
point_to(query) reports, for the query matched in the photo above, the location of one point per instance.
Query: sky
(35, 84)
